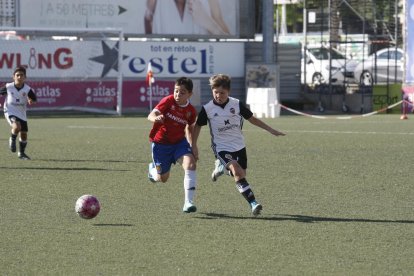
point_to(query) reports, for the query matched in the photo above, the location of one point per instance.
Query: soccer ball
(87, 206)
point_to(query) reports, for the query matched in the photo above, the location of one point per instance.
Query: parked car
(385, 65)
(10, 35)
(316, 58)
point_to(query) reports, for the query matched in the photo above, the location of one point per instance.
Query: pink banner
(96, 94)
(137, 93)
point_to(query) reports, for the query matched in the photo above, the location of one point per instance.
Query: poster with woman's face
(149, 18)
(191, 17)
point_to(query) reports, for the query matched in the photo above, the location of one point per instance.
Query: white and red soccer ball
(87, 206)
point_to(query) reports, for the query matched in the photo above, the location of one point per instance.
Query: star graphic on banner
(109, 58)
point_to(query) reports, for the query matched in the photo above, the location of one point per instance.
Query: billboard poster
(99, 59)
(78, 14)
(210, 18)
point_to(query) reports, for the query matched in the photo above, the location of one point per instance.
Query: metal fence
(368, 37)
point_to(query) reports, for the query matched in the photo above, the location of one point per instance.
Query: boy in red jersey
(174, 119)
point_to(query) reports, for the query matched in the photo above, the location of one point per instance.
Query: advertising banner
(99, 59)
(209, 18)
(97, 94)
(386, 95)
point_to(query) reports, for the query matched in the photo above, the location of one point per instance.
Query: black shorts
(240, 156)
(23, 124)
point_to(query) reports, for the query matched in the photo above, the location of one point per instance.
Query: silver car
(322, 62)
(386, 65)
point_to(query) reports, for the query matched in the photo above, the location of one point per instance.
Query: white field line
(109, 127)
(260, 130)
(349, 132)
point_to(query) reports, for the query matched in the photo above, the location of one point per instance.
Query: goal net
(69, 69)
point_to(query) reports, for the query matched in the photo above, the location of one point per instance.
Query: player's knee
(238, 172)
(163, 178)
(191, 166)
(189, 163)
(16, 128)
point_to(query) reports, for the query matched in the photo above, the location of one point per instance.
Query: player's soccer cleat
(189, 207)
(256, 208)
(23, 156)
(218, 170)
(12, 145)
(150, 167)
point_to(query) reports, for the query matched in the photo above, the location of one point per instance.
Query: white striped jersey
(16, 100)
(226, 123)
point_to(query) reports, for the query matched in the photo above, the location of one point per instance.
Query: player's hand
(30, 101)
(159, 119)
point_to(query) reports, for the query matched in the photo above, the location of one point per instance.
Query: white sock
(153, 173)
(190, 183)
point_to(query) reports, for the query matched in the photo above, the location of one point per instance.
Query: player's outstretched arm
(257, 122)
(195, 135)
(156, 116)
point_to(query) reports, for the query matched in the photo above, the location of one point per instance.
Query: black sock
(13, 136)
(244, 188)
(22, 145)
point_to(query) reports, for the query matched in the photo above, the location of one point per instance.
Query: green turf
(337, 194)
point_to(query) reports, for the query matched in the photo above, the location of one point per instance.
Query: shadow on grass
(113, 225)
(304, 219)
(61, 169)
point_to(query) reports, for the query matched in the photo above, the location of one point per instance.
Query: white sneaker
(218, 170)
(23, 156)
(256, 208)
(189, 207)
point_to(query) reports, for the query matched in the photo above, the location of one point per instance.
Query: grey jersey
(225, 122)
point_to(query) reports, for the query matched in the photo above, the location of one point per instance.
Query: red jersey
(176, 118)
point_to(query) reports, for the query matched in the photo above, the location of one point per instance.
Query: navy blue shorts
(164, 156)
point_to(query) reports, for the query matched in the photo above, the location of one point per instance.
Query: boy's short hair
(220, 80)
(188, 83)
(20, 69)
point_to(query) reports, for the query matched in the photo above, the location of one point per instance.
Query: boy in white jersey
(225, 115)
(18, 95)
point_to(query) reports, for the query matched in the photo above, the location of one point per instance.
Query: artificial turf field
(338, 199)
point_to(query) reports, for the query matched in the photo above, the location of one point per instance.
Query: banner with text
(137, 18)
(97, 94)
(98, 59)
